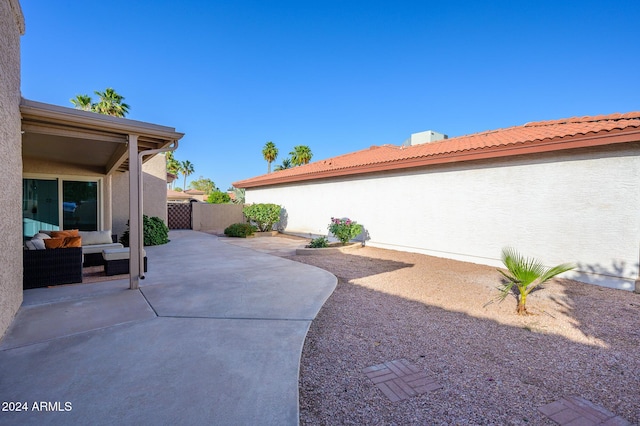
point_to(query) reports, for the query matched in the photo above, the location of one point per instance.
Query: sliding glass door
(39, 206)
(54, 203)
(80, 205)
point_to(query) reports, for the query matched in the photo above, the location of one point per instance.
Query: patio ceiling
(97, 142)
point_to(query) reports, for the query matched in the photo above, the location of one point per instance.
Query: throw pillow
(65, 233)
(38, 243)
(96, 237)
(72, 242)
(54, 243)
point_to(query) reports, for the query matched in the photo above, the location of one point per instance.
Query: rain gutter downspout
(140, 215)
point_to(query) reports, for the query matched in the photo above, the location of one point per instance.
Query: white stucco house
(562, 191)
(65, 168)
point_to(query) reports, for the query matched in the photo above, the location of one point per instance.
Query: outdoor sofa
(63, 265)
(43, 268)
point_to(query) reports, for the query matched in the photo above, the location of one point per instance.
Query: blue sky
(336, 75)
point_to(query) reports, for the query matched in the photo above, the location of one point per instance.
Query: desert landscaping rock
(495, 367)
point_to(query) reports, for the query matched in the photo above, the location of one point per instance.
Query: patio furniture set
(57, 257)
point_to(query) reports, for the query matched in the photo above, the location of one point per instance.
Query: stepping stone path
(400, 379)
(576, 411)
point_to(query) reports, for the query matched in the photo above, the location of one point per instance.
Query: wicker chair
(44, 268)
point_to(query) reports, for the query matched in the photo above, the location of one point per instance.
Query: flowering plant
(344, 229)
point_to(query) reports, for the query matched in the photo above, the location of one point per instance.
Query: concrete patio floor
(213, 336)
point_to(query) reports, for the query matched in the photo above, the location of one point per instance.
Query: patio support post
(134, 213)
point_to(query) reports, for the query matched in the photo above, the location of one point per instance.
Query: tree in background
(186, 168)
(82, 102)
(205, 185)
(173, 165)
(238, 194)
(286, 164)
(109, 103)
(270, 153)
(301, 154)
(218, 197)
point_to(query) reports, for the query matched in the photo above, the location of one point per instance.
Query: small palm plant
(526, 274)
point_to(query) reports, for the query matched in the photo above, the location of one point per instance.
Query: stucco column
(134, 214)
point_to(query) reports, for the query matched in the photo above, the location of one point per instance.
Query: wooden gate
(179, 215)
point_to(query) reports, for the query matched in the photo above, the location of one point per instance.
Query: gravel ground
(495, 367)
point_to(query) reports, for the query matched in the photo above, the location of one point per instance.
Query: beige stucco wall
(11, 27)
(216, 217)
(154, 193)
(581, 207)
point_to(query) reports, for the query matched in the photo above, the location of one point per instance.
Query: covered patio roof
(102, 144)
(96, 141)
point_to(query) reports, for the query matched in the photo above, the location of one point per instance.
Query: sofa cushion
(41, 236)
(97, 248)
(118, 254)
(96, 237)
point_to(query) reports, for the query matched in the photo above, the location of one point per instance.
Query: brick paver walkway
(400, 379)
(576, 411)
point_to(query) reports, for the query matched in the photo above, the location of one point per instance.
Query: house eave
(53, 121)
(42, 112)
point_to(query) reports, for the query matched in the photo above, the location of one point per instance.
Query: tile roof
(175, 195)
(533, 137)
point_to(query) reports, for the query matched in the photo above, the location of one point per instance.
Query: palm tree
(173, 165)
(526, 274)
(238, 195)
(270, 153)
(301, 154)
(286, 164)
(186, 167)
(82, 102)
(110, 103)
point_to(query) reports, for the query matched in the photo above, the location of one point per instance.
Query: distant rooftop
(530, 138)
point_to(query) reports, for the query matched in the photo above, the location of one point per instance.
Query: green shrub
(320, 242)
(242, 230)
(344, 229)
(218, 197)
(263, 215)
(155, 232)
